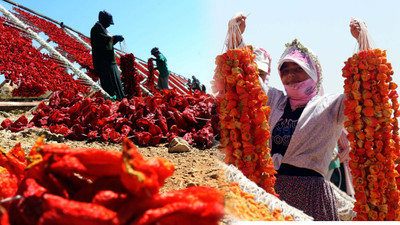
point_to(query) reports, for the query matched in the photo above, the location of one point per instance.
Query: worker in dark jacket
(104, 62)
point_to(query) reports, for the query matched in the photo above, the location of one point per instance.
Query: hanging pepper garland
(243, 114)
(373, 134)
(150, 85)
(130, 77)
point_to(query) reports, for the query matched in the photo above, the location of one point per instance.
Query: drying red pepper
(58, 210)
(205, 136)
(8, 184)
(6, 123)
(174, 131)
(12, 164)
(18, 125)
(143, 177)
(110, 199)
(28, 209)
(162, 121)
(4, 220)
(193, 205)
(31, 70)
(142, 138)
(66, 185)
(77, 52)
(85, 161)
(189, 113)
(79, 118)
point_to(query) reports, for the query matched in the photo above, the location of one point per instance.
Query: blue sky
(192, 33)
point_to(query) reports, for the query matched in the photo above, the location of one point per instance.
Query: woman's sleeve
(344, 145)
(340, 108)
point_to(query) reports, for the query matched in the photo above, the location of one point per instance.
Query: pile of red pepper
(25, 66)
(130, 77)
(75, 50)
(56, 184)
(148, 119)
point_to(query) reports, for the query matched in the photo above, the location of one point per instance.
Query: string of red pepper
(243, 114)
(150, 82)
(373, 134)
(130, 77)
(56, 184)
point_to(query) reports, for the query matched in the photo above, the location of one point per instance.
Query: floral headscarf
(306, 59)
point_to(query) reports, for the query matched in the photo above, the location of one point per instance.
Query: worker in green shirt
(104, 63)
(161, 63)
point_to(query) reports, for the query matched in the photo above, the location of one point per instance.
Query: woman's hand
(236, 27)
(355, 28)
(359, 31)
(241, 20)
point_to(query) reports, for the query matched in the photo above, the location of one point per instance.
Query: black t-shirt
(281, 135)
(284, 129)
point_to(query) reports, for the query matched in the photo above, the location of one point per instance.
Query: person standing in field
(161, 66)
(104, 63)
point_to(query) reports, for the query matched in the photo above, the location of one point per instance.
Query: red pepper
(14, 166)
(92, 135)
(76, 132)
(174, 131)
(18, 125)
(189, 137)
(189, 113)
(162, 122)
(185, 213)
(109, 199)
(6, 123)
(178, 118)
(85, 161)
(59, 210)
(194, 205)
(4, 220)
(205, 136)
(86, 192)
(8, 184)
(143, 138)
(115, 136)
(143, 177)
(28, 209)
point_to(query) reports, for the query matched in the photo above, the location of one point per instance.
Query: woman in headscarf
(263, 61)
(104, 63)
(305, 125)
